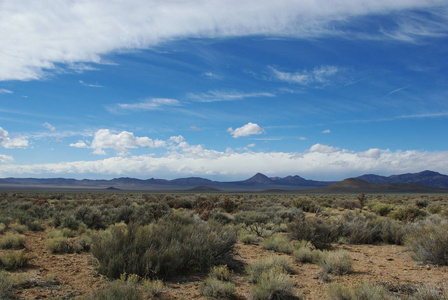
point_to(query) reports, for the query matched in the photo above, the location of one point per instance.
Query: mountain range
(417, 182)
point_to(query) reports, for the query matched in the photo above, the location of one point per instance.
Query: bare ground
(70, 275)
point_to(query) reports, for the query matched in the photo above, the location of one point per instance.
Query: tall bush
(175, 244)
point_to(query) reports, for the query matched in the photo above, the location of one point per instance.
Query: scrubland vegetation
(140, 241)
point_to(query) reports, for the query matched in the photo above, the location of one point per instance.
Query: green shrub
(258, 267)
(337, 262)
(14, 260)
(19, 228)
(250, 238)
(274, 284)
(220, 272)
(12, 241)
(6, 288)
(34, 226)
(409, 213)
(2, 228)
(303, 255)
(278, 243)
(317, 231)
(60, 244)
(153, 287)
(306, 204)
(381, 209)
(217, 289)
(428, 241)
(173, 245)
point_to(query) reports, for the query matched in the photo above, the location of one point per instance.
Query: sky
(223, 89)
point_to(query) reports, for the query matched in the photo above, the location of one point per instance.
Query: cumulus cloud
(10, 143)
(6, 158)
(120, 142)
(48, 35)
(148, 104)
(194, 160)
(215, 96)
(319, 148)
(49, 126)
(246, 130)
(321, 74)
(79, 144)
(326, 131)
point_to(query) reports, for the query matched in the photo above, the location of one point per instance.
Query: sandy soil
(71, 275)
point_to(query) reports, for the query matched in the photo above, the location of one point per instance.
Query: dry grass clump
(258, 267)
(363, 291)
(336, 262)
(217, 285)
(120, 289)
(14, 260)
(429, 293)
(217, 289)
(278, 243)
(428, 241)
(274, 283)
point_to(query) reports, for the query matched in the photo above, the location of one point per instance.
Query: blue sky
(223, 89)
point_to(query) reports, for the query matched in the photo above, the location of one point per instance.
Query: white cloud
(5, 91)
(10, 143)
(49, 126)
(302, 138)
(106, 139)
(6, 158)
(326, 131)
(321, 74)
(214, 96)
(79, 144)
(194, 160)
(211, 75)
(319, 148)
(95, 85)
(195, 128)
(148, 104)
(246, 130)
(48, 35)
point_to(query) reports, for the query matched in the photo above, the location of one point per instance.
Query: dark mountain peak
(429, 173)
(352, 183)
(259, 179)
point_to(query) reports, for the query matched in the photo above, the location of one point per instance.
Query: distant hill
(356, 185)
(428, 178)
(424, 181)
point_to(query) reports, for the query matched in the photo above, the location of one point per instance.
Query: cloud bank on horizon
(156, 88)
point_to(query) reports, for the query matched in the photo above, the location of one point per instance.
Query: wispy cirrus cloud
(317, 75)
(397, 90)
(148, 104)
(215, 96)
(94, 85)
(49, 126)
(5, 91)
(67, 34)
